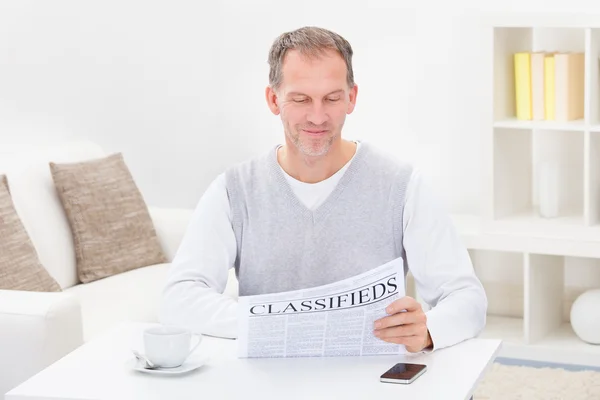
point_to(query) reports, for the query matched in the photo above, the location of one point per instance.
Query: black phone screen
(403, 371)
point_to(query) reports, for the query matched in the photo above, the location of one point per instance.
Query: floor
(540, 364)
(509, 379)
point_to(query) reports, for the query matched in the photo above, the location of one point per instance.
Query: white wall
(178, 87)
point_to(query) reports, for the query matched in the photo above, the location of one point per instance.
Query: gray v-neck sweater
(282, 245)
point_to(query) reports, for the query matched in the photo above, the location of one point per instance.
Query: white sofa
(37, 329)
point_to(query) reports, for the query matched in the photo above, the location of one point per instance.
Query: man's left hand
(406, 324)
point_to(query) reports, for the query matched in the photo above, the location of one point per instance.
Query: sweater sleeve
(193, 295)
(442, 268)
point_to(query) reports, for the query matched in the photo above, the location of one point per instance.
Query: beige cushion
(20, 267)
(111, 225)
(34, 195)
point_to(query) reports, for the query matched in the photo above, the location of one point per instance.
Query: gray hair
(312, 42)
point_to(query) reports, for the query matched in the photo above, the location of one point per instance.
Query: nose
(317, 114)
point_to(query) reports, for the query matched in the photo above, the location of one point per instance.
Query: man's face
(313, 100)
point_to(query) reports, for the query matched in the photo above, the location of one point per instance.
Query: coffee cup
(169, 346)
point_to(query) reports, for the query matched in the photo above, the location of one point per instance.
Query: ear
(352, 103)
(271, 97)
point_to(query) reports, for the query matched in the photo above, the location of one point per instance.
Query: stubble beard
(311, 147)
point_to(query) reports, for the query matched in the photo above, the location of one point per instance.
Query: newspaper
(331, 320)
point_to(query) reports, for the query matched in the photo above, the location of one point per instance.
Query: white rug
(518, 382)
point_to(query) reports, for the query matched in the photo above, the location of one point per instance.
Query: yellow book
(549, 88)
(523, 85)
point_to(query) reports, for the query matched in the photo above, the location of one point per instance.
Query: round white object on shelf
(585, 316)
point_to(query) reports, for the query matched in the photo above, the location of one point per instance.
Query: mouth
(315, 132)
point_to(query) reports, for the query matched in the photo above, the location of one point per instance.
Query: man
(320, 209)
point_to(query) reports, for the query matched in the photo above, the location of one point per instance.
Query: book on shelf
(549, 101)
(523, 85)
(569, 73)
(549, 86)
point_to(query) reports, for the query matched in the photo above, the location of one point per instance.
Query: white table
(98, 370)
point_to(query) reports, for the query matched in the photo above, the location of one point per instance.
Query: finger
(405, 303)
(401, 318)
(400, 331)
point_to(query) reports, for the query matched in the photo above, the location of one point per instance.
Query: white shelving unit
(529, 309)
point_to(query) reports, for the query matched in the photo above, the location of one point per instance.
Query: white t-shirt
(314, 194)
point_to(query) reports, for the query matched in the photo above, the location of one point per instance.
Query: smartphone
(403, 373)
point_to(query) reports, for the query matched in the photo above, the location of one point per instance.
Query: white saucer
(192, 363)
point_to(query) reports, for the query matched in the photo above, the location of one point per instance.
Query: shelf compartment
(581, 275)
(512, 173)
(501, 274)
(509, 329)
(592, 179)
(517, 155)
(593, 78)
(562, 40)
(511, 40)
(544, 283)
(566, 149)
(507, 41)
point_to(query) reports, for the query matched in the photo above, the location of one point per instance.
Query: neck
(315, 169)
